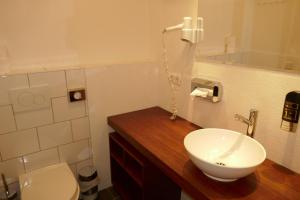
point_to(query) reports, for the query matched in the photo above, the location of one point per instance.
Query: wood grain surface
(160, 140)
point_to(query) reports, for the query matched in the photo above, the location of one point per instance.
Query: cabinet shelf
(124, 183)
(134, 177)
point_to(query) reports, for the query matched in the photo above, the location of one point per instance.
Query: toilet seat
(49, 183)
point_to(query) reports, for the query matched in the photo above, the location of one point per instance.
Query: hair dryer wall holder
(188, 33)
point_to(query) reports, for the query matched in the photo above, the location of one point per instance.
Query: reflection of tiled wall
(33, 139)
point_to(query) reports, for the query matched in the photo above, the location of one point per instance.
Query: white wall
(245, 88)
(113, 90)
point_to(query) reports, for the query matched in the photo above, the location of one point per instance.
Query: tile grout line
(72, 131)
(22, 157)
(56, 146)
(15, 120)
(45, 69)
(52, 123)
(6, 105)
(28, 79)
(77, 141)
(34, 152)
(38, 137)
(66, 80)
(57, 97)
(43, 125)
(23, 162)
(20, 130)
(90, 129)
(90, 147)
(40, 150)
(59, 158)
(86, 91)
(52, 111)
(58, 122)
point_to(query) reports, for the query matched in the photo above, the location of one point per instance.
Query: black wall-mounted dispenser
(291, 110)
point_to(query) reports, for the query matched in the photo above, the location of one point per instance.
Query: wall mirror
(256, 33)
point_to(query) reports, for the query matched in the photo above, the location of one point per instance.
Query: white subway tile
(75, 152)
(64, 110)
(18, 143)
(75, 78)
(11, 82)
(81, 128)
(55, 80)
(12, 169)
(35, 118)
(7, 120)
(55, 134)
(41, 159)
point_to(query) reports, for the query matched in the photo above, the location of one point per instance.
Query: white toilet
(55, 182)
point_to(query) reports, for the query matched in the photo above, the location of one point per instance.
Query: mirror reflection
(258, 33)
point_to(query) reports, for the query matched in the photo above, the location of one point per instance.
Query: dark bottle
(290, 114)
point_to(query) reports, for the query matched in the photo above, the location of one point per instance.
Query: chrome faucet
(251, 122)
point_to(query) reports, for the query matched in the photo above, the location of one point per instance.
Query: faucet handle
(251, 122)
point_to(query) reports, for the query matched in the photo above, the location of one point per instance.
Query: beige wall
(55, 32)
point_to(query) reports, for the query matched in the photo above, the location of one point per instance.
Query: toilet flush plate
(29, 99)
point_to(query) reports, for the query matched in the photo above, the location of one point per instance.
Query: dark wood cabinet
(160, 140)
(136, 178)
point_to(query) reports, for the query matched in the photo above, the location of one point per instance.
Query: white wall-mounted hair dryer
(188, 33)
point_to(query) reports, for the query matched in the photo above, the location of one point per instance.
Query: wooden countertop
(161, 141)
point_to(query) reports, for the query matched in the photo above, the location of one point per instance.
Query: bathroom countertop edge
(161, 141)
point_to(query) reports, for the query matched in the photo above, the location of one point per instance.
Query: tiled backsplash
(37, 138)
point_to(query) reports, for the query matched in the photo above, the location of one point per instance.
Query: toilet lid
(49, 183)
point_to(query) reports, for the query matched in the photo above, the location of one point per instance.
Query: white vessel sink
(222, 154)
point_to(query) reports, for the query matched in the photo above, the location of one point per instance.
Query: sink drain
(220, 163)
